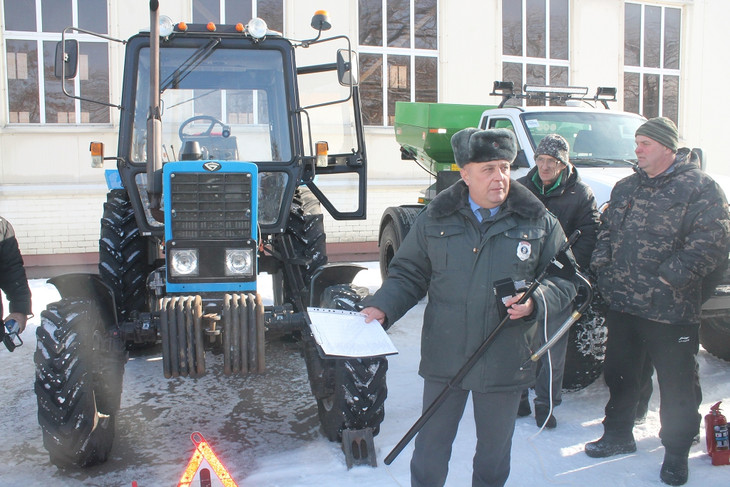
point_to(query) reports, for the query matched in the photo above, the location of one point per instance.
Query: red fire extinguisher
(716, 435)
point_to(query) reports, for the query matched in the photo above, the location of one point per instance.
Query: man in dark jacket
(665, 229)
(12, 277)
(556, 183)
(482, 229)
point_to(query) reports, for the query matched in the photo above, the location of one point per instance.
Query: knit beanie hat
(555, 146)
(662, 130)
(476, 145)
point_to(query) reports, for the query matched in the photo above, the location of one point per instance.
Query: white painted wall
(54, 199)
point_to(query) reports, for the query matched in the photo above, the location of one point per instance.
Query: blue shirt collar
(475, 209)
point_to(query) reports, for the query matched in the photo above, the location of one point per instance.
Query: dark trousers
(673, 351)
(494, 415)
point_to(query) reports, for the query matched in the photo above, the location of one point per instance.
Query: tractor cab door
(335, 163)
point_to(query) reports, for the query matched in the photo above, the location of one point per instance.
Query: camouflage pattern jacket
(674, 226)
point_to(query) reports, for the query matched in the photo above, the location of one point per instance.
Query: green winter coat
(445, 256)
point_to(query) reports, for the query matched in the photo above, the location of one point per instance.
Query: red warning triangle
(204, 452)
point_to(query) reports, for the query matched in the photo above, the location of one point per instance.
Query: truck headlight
(239, 262)
(184, 262)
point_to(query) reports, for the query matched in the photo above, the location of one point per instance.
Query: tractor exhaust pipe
(154, 119)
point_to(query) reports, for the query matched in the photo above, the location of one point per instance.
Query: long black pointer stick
(456, 380)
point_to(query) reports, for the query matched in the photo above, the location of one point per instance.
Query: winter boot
(674, 469)
(611, 444)
(541, 417)
(524, 409)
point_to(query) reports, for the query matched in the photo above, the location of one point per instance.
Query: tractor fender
(90, 286)
(330, 275)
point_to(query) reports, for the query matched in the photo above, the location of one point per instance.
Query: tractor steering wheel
(225, 129)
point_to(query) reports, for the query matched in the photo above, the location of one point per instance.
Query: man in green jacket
(482, 229)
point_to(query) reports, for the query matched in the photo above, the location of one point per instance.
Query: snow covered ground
(265, 430)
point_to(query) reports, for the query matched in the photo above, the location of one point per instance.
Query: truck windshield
(217, 98)
(595, 138)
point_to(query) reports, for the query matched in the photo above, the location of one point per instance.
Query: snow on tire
(78, 385)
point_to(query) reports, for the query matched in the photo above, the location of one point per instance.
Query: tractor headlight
(184, 262)
(239, 262)
(256, 28)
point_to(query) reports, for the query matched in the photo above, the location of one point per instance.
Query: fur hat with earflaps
(476, 145)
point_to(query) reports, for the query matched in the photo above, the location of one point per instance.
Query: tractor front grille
(211, 206)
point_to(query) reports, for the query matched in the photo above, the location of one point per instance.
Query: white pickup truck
(601, 148)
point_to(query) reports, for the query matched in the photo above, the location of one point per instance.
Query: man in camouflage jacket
(666, 228)
(482, 229)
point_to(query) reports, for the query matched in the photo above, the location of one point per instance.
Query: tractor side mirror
(347, 67)
(67, 60)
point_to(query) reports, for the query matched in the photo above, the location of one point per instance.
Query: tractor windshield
(595, 138)
(212, 100)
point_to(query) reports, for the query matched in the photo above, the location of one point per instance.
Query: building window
(398, 53)
(32, 29)
(234, 11)
(651, 60)
(535, 44)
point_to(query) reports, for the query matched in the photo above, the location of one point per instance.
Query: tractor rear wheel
(123, 255)
(78, 385)
(306, 230)
(350, 392)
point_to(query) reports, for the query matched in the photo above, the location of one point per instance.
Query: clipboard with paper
(341, 333)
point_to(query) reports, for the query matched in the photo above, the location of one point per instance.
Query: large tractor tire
(586, 347)
(350, 393)
(123, 256)
(715, 333)
(306, 229)
(397, 224)
(78, 385)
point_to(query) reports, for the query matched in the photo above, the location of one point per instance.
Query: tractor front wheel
(350, 392)
(78, 385)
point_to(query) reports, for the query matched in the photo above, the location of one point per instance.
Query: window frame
(642, 71)
(40, 37)
(254, 12)
(411, 52)
(524, 60)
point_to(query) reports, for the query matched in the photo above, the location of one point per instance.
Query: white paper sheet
(345, 334)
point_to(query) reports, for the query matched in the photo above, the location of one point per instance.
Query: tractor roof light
(321, 20)
(166, 26)
(256, 28)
